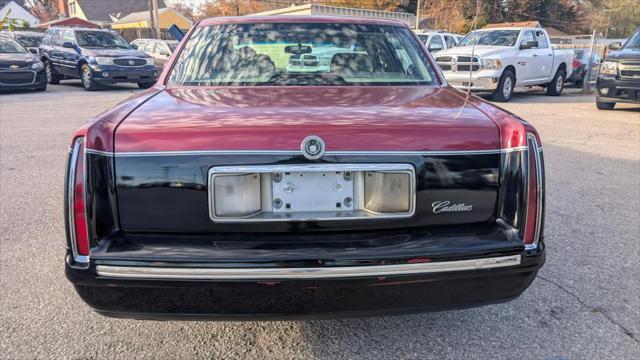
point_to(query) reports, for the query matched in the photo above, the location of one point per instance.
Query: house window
(72, 8)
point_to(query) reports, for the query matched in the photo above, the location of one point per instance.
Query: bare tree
(44, 10)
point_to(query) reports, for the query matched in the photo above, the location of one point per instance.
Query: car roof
(272, 19)
(156, 40)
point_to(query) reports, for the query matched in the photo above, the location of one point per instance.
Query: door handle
(535, 55)
(549, 54)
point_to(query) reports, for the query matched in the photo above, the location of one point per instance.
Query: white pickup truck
(504, 58)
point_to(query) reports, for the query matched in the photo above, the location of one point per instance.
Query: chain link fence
(591, 48)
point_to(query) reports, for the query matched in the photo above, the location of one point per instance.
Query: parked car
(237, 189)
(29, 39)
(438, 40)
(580, 61)
(159, 50)
(19, 69)
(500, 59)
(619, 77)
(96, 57)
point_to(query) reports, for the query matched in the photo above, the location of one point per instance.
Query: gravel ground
(584, 304)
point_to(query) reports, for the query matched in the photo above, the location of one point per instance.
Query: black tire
(507, 82)
(53, 77)
(145, 85)
(42, 87)
(555, 87)
(86, 76)
(605, 105)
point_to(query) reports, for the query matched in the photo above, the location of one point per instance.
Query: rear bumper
(416, 275)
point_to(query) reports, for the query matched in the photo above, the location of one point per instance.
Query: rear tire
(53, 77)
(507, 82)
(86, 76)
(605, 105)
(145, 85)
(554, 88)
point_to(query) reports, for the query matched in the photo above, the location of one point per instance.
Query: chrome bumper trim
(162, 273)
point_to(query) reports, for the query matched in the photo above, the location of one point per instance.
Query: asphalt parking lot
(585, 302)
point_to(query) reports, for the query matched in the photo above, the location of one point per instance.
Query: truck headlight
(149, 61)
(609, 68)
(491, 64)
(37, 66)
(101, 60)
(237, 195)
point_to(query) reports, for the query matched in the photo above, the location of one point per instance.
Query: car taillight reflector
(534, 194)
(77, 210)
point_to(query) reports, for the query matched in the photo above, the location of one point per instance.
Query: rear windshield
(491, 37)
(101, 39)
(301, 54)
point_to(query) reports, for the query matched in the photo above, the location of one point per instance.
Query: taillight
(576, 63)
(77, 210)
(535, 194)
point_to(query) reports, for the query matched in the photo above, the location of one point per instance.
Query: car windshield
(29, 40)
(10, 46)
(634, 42)
(491, 37)
(101, 39)
(301, 54)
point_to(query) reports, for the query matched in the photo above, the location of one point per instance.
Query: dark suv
(96, 57)
(619, 77)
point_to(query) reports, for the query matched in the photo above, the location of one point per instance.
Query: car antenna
(473, 49)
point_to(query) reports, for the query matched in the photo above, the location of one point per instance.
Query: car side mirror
(615, 45)
(134, 46)
(33, 51)
(68, 45)
(529, 45)
(435, 47)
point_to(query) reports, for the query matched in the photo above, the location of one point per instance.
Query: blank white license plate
(312, 191)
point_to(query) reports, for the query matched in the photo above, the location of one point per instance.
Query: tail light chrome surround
(533, 217)
(76, 207)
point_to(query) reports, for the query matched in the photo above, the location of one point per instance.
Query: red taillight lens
(576, 63)
(77, 201)
(534, 194)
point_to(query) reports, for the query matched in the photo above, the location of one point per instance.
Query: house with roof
(105, 12)
(142, 19)
(16, 9)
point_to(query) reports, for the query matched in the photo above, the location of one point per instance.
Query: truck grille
(630, 70)
(17, 77)
(129, 61)
(458, 63)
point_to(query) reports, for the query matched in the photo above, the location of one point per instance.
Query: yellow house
(141, 19)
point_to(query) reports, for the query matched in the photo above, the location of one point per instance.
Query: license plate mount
(312, 191)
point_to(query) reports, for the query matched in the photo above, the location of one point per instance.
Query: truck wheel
(605, 105)
(52, 76)
(505, 87)
(554, 88)
(86, 75)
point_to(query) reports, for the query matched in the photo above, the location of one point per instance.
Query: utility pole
(418, 15)
(154, 18)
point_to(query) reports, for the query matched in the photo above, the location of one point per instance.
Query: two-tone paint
(156, 253)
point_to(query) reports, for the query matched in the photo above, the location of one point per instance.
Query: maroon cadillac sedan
(302, 167)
